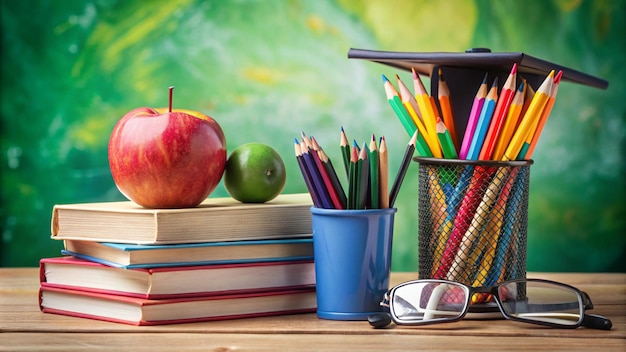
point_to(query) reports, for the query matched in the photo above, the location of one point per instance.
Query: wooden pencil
(344, 145)
(327, 183)
(472, 120)
(306, 175)
(443, 95)
(383, 174)
(544, 116)
(352, 184)
(404, 166)
(364, 178)
(409, 102)
(484, 120)
(316, 178)
(510, 122)
(394, 101)
(532, 115)
(445, 139)
(502, 108)
(428, 114)
(374, 174)
(334, 179)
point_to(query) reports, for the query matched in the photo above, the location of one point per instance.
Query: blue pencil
(482, 126)
(316, 178)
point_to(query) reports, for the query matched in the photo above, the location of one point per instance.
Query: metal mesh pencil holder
(473, 219)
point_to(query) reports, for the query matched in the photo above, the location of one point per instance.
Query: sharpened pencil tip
(296, 141)
(485, 78)
(385, 79)
(514, 69)
(414, 73)
(495, 82)
(558, 76)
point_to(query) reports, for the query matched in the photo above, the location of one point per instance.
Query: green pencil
(445, 139)
(345, 151)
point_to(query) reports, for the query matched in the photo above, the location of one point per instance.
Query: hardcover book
(216, 219)
(157, 283)
(139, 311)
(151, 256)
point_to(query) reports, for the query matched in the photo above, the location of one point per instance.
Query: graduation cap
(464, 71)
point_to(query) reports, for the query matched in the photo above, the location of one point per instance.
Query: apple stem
(171, 93)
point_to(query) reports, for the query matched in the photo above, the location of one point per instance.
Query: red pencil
(502, 108)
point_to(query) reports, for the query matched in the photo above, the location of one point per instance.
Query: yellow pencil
(532, 114)
(428, 114)
(544, 115)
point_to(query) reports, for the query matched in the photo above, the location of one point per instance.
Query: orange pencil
(428, 114)
(502, 107)
(446, 109)
(510, 122)
(544, 115)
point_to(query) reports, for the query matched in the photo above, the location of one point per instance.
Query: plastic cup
(352, 250)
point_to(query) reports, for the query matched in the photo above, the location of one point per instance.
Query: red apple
(164, 158)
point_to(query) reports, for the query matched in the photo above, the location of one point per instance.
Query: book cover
(216, 219)
(129, 256)
(139, 311)
(168, 282)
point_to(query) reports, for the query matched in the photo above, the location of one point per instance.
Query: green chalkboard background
(267, 70)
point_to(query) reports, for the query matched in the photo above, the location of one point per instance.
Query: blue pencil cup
(352, 250)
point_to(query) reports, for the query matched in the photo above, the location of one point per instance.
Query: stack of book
(220, 260)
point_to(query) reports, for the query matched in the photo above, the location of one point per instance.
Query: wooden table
(24, 327)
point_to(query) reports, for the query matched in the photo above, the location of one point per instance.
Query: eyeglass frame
(591, 321)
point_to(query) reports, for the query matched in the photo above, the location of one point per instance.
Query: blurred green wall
(266, 70)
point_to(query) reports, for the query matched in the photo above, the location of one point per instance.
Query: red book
(181, 281)
(139, 311)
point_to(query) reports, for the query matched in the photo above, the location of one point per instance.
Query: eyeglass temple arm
(594, 321)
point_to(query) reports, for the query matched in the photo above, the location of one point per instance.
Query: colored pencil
(445, 139)
(493, 229)
(353, 189)
(510, 122)
(532, 114)
(404, 166)
(428, 114)
(374, 173)
(363, 174)
(544, 117)
(329, 176)
(497, 121)
(474, 232)
(316, 178)
(528, 98)
(483, 122)
(383, 174)
(443, 93)
(394, 100)
(467, 209)
(306, 175)
(472, 120)
(344, 145)
(409, 102)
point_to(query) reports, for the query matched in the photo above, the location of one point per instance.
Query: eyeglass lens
(543, 302)
(430, 301)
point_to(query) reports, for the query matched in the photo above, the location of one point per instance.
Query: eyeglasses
(534, 301)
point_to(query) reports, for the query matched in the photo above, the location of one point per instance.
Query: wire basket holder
(473, 220)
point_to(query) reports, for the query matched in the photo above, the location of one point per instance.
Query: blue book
(129, 256)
